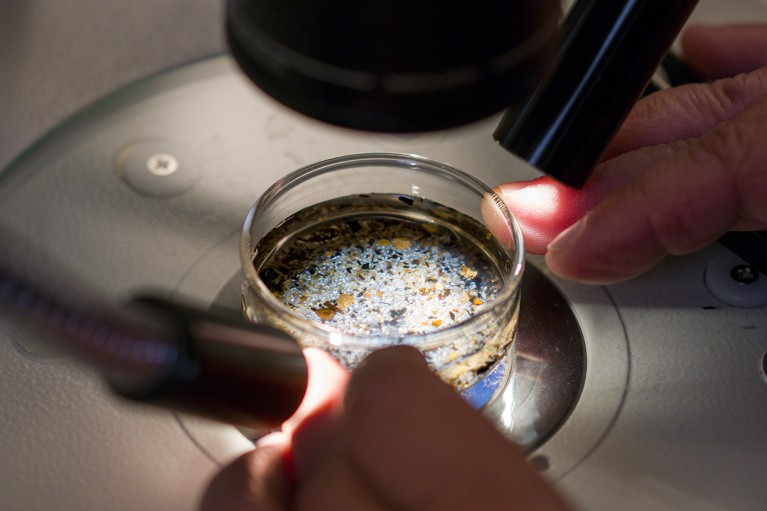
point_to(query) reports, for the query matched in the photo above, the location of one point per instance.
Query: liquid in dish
(383, 269)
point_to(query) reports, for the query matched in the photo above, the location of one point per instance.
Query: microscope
(397, 68)
(390, 67)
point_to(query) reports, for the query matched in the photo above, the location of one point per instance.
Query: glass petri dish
(365, 251)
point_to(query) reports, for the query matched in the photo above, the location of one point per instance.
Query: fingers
(716, 52)
(338, 485)
(544, 207)
(439, 453)
(683, 203)
(687, 111)
(327, 382)
(657, 129)
(402, 440)
(263, 478)
(255, 481)
(314, 422)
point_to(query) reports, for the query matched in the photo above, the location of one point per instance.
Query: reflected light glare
(543, 200)
(335, 339)
(507, 399)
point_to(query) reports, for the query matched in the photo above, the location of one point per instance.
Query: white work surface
(674, 405)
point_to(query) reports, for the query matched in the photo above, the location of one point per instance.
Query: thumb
(423, 447)
(714, 184)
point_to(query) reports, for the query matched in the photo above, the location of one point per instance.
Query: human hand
(689, 164)
(391, 437)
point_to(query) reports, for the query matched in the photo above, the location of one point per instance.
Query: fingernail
(566, 238)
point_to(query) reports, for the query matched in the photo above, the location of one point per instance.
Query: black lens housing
(394, 65)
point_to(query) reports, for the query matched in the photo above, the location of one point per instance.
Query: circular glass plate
(550, 360)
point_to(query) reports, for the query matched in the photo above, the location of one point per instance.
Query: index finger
(718, 51)
(687, 111)
(684, 203)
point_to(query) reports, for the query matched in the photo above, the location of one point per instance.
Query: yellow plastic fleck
(401, 243)
(325, 314)
(345, 300)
